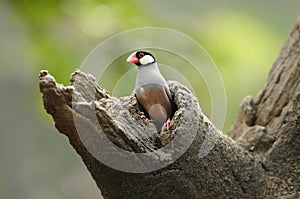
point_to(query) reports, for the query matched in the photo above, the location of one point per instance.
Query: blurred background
(243, 38)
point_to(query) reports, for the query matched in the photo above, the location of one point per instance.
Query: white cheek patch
(147, 59)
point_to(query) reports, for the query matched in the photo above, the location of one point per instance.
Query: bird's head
(141, 58)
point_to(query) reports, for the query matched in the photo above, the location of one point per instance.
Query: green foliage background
(243, 38)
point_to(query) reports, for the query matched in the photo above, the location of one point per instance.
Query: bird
(152, 91)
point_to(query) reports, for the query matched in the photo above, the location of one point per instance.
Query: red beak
(132, 58)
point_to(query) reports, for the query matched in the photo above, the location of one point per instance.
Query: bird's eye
(141, 55)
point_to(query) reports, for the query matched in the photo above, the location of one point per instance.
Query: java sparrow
(152, 91)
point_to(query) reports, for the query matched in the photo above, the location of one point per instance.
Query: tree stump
(259, 159)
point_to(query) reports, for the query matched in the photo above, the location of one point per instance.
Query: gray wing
(171, 99)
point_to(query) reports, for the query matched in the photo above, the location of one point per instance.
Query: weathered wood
(262, 160)
(173, 181)
(269, 126)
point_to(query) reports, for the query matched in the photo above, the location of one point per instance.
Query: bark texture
(259, 159)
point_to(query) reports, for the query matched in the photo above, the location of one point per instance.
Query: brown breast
(155, 102)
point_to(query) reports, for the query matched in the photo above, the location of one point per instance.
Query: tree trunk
(259, 159)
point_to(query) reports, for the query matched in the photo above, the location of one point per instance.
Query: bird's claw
(144, 117)
(167, 124)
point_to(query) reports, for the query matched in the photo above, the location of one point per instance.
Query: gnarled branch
(261, 160)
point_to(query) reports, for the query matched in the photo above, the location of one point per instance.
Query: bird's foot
(144, 117)
(167, 124)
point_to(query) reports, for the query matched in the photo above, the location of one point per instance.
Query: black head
(141, 58)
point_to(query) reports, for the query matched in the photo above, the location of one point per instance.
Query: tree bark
(259, 159)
